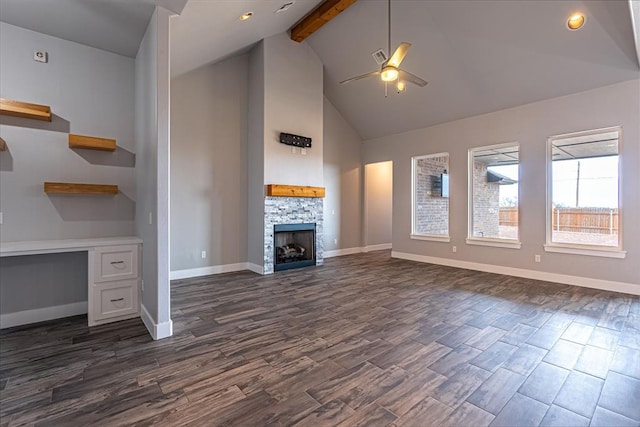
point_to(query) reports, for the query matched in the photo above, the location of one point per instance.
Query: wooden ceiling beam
(325, 12)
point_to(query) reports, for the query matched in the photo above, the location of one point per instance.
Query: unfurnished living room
(320, 212)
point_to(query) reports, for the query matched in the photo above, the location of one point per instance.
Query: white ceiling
(478, 56)
(114, 25)
(209, 30)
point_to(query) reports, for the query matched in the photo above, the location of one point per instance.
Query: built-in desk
(114, 290)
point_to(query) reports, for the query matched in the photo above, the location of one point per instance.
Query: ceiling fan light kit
(390, 69)
(389, 74)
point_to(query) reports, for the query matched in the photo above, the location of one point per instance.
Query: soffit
(114, 25)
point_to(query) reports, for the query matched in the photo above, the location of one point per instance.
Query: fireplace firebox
(294, 246)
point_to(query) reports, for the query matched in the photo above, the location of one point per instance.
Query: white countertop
(36, 247)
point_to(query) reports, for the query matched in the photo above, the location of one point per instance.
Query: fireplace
(290, 211)
(294, 246)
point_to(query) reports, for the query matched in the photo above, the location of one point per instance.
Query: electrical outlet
(203, 254)
(142, 284)
(1, 218)
(333, 211)
(335, 241)
(537, 258)
(303, 151)
(454, 249)
(41, 56)
(150, 218)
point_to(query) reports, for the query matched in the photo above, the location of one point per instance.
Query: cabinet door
(115, 263)
(114, 299)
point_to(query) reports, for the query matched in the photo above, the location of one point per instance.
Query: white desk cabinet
(114, 287)
(114, 277)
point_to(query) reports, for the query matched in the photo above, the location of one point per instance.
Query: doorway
(378, 205)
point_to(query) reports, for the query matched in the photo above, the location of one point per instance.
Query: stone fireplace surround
(291, 210)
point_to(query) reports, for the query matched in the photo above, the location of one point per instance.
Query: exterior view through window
(493, 192)
(584, 205)
(430, 195)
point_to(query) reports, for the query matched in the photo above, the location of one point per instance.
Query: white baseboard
(586, 282)
(341, 252)
(254, 267)
(157, 330)
(26, 317)
(376, 247)
(207, 271)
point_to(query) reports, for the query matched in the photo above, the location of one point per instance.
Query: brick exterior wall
(486, 203)
(431, 210)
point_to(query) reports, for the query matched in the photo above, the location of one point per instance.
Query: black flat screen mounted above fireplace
(295, 140)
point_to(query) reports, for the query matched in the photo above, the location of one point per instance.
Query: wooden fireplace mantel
(279, 190)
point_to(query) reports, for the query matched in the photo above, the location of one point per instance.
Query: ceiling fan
(390, 69)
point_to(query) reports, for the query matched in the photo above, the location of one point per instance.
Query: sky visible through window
(597, 189)
(508, 193)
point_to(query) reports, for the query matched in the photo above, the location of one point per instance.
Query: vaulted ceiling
(477, 55)
(208, 31)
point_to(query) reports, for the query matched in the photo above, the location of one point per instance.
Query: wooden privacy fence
(577, 220)
(509, 216)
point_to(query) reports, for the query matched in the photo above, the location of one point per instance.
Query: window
(493, 195)
(430, 197)
(583, 215)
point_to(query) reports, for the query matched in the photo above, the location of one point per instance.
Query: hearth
(294, 245)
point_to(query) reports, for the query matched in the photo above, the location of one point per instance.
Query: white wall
(378, 203)
(90, 92)
(285, 95)
(209, 165)
(342, 159)
(292, 104)
(530, 125)
(255, 157)
(152, 171)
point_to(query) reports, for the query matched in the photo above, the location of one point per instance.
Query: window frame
(425, 236)
(577, 248)
(500, 242)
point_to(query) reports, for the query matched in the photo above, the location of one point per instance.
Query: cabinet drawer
(115, 263)
(115, 299)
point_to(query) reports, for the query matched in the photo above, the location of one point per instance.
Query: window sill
(496, 243)
(430, 237)
(574, 250)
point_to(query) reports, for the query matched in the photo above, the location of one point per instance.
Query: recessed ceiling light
(246, 16)
(575, 21)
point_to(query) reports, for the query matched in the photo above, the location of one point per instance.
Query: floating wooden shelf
(278, 190)
(25, 110)
(72, 188)
(91, 143)
(3, 145)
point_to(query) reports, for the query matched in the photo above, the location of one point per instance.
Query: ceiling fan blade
(408, 77)
(398, 55)
(352, 79)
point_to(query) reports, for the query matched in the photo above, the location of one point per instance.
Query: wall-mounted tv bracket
(295, 140)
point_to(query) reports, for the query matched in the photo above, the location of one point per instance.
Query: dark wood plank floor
(363, 340)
